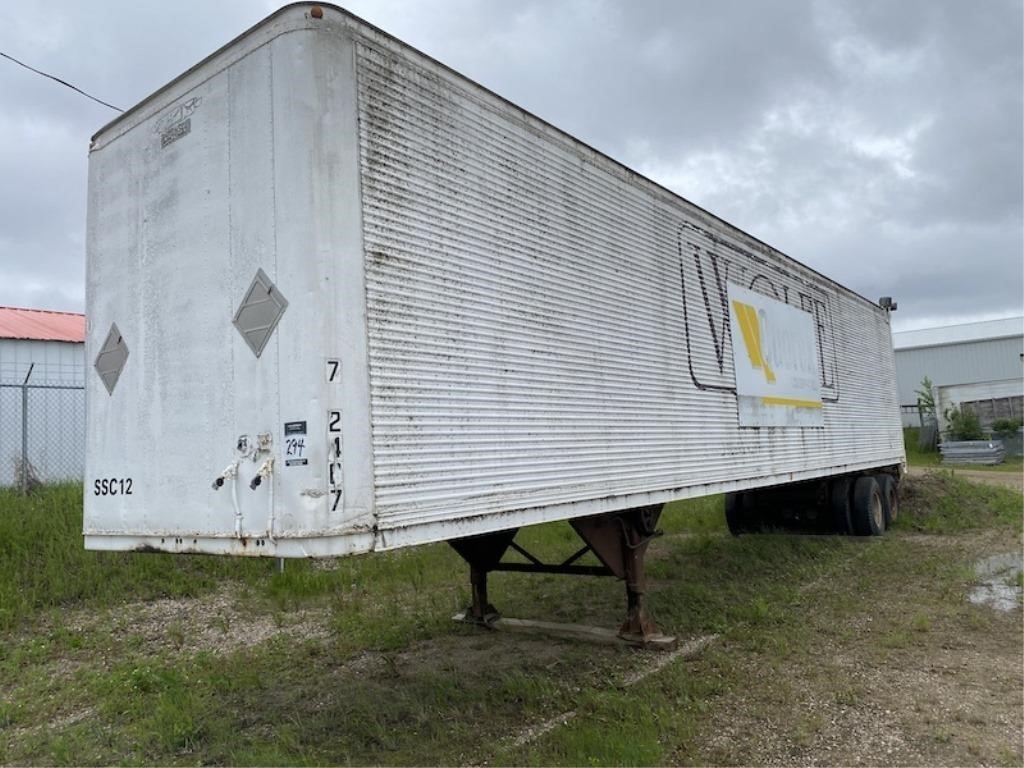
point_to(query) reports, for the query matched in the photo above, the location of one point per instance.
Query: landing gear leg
(618, 539)
(483, 553)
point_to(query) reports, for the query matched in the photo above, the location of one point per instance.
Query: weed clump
(941, 502)
(44, 565)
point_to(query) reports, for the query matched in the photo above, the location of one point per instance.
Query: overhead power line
(62, 82)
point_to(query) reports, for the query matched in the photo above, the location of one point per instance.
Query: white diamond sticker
(111, 359)
(259, 312)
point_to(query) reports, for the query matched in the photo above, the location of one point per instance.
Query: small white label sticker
(295, 444)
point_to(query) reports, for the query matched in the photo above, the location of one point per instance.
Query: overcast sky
(878, 142)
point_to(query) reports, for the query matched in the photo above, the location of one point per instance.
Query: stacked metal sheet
(973, 452)
(1014, 445)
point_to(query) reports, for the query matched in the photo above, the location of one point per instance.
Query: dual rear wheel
(742, 514)
(863, 505)
(874, 505)
(867, 514)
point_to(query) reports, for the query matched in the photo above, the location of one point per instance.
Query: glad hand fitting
(264, 471)
(227, 474)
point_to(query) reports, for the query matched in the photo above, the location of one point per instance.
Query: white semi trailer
(342, 299)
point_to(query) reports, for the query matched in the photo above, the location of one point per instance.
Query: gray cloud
(120, 52)
(879, 142)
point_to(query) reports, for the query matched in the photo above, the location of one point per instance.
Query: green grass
(918, 458)
(43, 565)
(941, 502)
(392, 680)
(915, 456)
(285, 702)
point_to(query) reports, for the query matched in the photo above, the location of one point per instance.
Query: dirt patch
(653, 662)
(477, 653)
(1013, 480)
(957, 707)
(941, 688)
(983, 542)
(61, 721)
(215, 623)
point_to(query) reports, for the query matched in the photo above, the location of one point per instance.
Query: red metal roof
(41, 325)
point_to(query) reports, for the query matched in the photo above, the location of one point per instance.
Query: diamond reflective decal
(259, 312)
(111, 359)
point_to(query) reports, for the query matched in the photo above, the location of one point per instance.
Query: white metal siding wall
(962, 363)
(56, 362)
(527, 331)
(955, 394)
(56, 417)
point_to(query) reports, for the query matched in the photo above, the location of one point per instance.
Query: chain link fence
(42, 432)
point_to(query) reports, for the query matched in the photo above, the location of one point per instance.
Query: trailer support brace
(619, 540)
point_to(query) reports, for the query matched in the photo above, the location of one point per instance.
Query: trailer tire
(867, 512)
(740, 514)
(890, 498)
(839, 503)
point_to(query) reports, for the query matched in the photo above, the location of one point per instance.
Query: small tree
(928, 437)
(925, 398)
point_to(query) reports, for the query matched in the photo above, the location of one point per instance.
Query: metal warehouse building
(974, 364)
(42, 396)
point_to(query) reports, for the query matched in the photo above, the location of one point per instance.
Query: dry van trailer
(343, 299)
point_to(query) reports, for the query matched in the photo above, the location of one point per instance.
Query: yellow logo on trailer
(750, 327)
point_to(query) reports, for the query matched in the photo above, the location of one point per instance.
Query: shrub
(1005, 428)
(963, 424)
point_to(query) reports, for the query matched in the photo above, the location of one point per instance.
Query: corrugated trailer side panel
(547, 328)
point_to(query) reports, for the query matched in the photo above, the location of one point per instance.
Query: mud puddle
(1000, 586)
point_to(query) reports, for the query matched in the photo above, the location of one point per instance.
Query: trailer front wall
(548, 328)
(260, 174)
